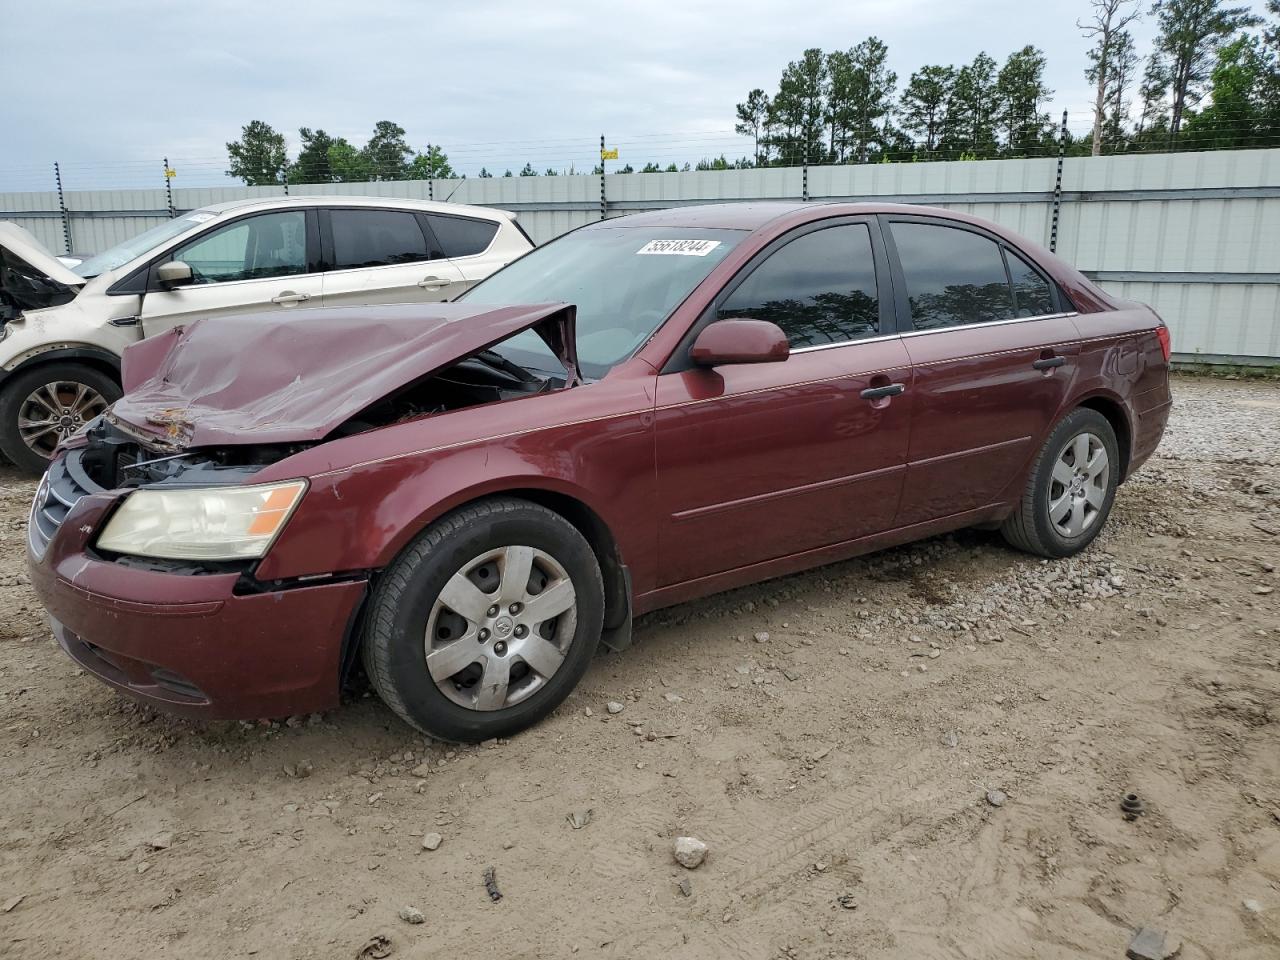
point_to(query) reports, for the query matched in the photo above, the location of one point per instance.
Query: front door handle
(434, 283)
(288, 296)
(1048, 363)
(888, 390)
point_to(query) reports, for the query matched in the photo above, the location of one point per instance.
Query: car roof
(430, 206)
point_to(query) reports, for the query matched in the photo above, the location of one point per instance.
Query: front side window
(954, 277)
(461, 237)
(375, 238)
(820, 288)
(267, 245)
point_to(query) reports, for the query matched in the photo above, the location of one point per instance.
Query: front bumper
(189, 644)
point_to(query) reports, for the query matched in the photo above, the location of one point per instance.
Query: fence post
(804, 176)
(286, 177)
(1057, 186)
(62, 206)
(604, 206)
(431, 184)
(168, 188)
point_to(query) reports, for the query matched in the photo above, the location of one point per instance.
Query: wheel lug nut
(515, 608)
(493, 611)
(484, 635)
(500, 648)
(521, 630)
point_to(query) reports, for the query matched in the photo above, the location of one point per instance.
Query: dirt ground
(839, 769)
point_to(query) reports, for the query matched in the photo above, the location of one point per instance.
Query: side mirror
(175, 273)
(739, 341)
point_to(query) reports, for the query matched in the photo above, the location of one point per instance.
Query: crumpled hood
(294, 377)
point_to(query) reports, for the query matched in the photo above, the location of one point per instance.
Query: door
(382, 256)
(993, 356)
(468, 243)
(767, 460)
(256, 262)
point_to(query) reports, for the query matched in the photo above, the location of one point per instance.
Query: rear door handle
(1048, 363)
(434, 283)
(288, 296)
(889, 390)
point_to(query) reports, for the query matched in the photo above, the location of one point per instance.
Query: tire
(83, 390)
(1046, 524)
(410, 614)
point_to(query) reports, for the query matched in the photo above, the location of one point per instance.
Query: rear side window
(953, 276)
(820, 288)
(1030, 289)
(375, 238)
(460, 237)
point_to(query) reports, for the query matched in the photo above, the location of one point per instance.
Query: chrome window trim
(936, 330)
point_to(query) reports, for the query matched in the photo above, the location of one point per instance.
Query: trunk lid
(266, 378)
(31, 277)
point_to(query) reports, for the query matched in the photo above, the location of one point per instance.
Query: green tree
(528, 171)
(799, 109)
(971, 111)
(651, 168)
(860, 99)
(923, 106)
(312, 163)
(1021, 91)
(1241, 113)
(552, 172)
(752, 116)
(387, 154)
(346, 163)
(672, 168)
(259, 157)
(431, 165)
(484, 174)
(1106, 28)
(1191, 31)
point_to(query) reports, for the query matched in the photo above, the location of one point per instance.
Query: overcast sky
(108, 88)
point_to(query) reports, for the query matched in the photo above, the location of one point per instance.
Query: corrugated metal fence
(1196, 235)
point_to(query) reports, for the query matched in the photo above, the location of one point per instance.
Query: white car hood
(26, 247)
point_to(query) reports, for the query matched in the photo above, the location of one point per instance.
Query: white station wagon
(63, 329)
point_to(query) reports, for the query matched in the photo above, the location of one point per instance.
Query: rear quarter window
(460, 236)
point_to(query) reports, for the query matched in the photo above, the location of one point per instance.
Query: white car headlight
(209, 523)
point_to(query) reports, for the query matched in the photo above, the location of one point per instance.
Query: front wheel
(1070, 490)
(486, 622)
(41, 407)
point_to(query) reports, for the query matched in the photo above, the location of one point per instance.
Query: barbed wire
(684, 150)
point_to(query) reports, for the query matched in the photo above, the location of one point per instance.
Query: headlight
(211, 523)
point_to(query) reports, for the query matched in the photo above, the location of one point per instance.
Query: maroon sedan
(473, 497)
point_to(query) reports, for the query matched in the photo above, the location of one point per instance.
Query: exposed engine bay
(115, 458)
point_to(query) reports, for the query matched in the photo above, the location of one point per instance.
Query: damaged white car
(63, 329)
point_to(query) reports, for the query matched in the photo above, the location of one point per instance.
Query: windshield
(625, 281)
(144, 242)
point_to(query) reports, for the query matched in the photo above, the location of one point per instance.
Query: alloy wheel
(1079, 484)
(54, 411)
(501, 627)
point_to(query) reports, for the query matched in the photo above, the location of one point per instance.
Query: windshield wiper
(497, 361)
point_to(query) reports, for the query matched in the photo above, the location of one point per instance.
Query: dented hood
(297, 376)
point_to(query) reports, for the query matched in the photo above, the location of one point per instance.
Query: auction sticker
(679, 248)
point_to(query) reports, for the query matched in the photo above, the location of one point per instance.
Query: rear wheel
(1071, 488)
(486, 622)
(41, 407)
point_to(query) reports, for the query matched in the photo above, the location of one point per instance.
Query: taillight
(1166, 345)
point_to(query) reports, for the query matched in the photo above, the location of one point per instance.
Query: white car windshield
(144, 242)
(624, 281)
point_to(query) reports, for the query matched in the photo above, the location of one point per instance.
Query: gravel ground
(923, 758)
